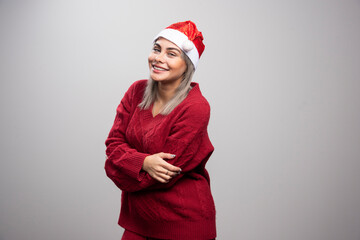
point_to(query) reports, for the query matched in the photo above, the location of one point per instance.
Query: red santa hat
(186, 36)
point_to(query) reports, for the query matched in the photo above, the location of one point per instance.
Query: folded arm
(126, 166)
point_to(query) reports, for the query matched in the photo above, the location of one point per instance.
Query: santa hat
(186, 36)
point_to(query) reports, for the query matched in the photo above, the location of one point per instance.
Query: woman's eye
(156, 49)
(172, 54)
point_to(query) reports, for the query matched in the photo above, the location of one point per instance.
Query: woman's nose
(159, 57)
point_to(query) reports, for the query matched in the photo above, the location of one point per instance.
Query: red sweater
(182, 209)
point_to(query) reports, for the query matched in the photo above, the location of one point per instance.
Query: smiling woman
(158, 146)
(174, 65)
(166, 62)
(167, 67)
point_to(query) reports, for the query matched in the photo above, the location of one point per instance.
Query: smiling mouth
(159, 68)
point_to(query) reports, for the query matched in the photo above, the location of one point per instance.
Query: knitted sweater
(182, 209)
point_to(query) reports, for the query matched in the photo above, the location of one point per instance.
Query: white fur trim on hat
(187, 45)
(182, 41)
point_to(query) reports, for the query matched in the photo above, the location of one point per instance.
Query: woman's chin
(157, 78)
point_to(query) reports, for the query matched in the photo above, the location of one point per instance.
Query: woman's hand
(159, 169)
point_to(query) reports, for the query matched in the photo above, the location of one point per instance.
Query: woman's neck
(166, 91)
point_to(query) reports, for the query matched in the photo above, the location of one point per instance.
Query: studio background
(283, 81)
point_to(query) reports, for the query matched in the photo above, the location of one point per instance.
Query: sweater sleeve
(188, 140)
(123, 164)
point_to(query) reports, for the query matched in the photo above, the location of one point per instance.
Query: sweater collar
(195, 88)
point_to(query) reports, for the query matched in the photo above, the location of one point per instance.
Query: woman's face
(165, 62)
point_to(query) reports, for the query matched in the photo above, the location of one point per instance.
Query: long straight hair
(151, 90)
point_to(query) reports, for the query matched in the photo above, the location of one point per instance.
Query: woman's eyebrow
(170, 48)
(173, 49)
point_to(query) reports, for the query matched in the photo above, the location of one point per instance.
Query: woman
(158, 146)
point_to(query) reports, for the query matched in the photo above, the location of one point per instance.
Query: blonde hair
(181, 92)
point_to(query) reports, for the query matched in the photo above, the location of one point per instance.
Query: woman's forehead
(163, 42)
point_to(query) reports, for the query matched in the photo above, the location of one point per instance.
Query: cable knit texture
(184, 207)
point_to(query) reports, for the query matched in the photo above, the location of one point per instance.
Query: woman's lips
(158, 69)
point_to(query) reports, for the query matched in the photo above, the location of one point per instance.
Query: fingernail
(173, 155)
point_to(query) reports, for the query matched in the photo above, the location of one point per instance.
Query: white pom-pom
(187, 46)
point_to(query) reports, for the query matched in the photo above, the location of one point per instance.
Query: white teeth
(157, 68)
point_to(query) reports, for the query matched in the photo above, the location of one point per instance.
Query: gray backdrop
(282, 78)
